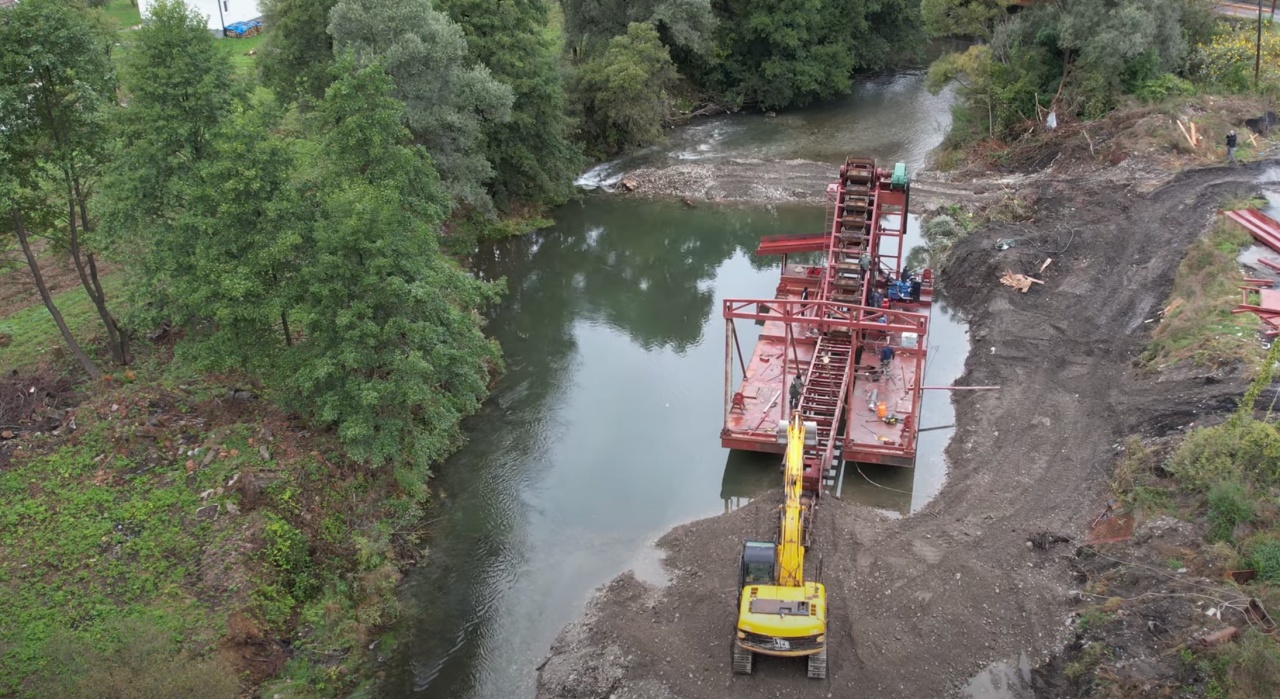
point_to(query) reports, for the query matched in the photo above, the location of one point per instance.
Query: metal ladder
(823, 402)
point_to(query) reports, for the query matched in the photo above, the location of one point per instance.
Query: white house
(219, 14)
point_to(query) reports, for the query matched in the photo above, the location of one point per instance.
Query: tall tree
(533, 159)
(179, 92)
(964, 18)
(781, 54)
(298, 51)
(394, 356)
(55, 63)
(16, 199)
(622, 95)
(448, 98)
(221, 267)
(684, 25)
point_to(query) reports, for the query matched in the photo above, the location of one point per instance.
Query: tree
(179, 89)
(448, 99)
(298, 51)
(622, 95)
(55, 66)
(780, 54)
(686, 26)
(179, 93)
(533, 159)
(221, 268)
(393, 353)
(963, 18)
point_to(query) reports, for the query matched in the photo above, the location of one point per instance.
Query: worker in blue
(886, 358)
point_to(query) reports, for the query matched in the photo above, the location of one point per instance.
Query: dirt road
(920, 604)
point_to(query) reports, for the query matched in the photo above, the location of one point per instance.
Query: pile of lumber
(1021, 282)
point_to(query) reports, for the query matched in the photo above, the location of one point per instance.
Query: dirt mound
(922, 603)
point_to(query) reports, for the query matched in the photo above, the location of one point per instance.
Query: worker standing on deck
(1231, 146)
(797, 387)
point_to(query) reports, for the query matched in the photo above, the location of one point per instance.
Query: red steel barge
(852, 326)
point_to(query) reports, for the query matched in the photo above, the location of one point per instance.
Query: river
(604, 431)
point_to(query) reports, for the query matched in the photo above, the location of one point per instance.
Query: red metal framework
(832, 322)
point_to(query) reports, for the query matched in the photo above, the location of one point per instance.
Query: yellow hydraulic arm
(791, 539)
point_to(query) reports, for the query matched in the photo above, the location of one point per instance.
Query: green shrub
(1242, 450)
(1252, 666)
(1264, 557)
(1162, 87)
(1229, 505)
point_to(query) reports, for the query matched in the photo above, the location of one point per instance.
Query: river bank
(962, 584)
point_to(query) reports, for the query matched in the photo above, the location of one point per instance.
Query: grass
(1199, 327)
(123, 13)
(99, 535)
(33, 335)
(237, 50)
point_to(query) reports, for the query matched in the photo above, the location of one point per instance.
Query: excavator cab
(759, 561)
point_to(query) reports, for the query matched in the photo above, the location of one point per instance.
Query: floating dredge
(853, 327)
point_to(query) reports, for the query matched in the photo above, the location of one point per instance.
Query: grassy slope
(98, 527)
(1201, 329)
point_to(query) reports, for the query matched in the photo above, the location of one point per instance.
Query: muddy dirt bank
(920, 604)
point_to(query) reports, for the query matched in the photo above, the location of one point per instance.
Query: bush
(1229, 506)
(1264, 557)
(1253, 666)
(1241, 450)
(1163, 87)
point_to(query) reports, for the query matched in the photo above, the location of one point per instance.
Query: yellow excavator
(778, 612)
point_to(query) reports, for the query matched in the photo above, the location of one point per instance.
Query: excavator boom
(779, 613)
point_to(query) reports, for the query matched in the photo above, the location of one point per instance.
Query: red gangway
(849, 324)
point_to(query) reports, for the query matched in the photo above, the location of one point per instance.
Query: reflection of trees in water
(642, 267)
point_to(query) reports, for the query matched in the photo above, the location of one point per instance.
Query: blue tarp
(242, 28)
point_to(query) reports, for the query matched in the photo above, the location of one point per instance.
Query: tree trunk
(117, 336)
(284, 321)
(92, 369)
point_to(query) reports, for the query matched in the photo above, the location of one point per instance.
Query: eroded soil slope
(920, 604)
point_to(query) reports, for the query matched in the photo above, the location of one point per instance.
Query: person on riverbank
(1231, 146)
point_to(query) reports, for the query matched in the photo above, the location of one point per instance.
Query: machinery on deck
(779, 612)
(849, 332)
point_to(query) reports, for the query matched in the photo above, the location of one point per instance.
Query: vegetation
(1198, 326)
(1080, 60)
(1225, 477)
(623, 94)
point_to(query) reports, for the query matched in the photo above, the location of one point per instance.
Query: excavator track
(818, 665)
(742, 660)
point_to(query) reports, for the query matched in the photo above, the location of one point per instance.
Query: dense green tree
(393, 354)
(532, 156)
(964, 18)
(1076, 57)
(448, 98)
(622, 95)
(56, 72)
(221, 268)
(780, 54)
(179, 89)
(298, 50)
(684, 25)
